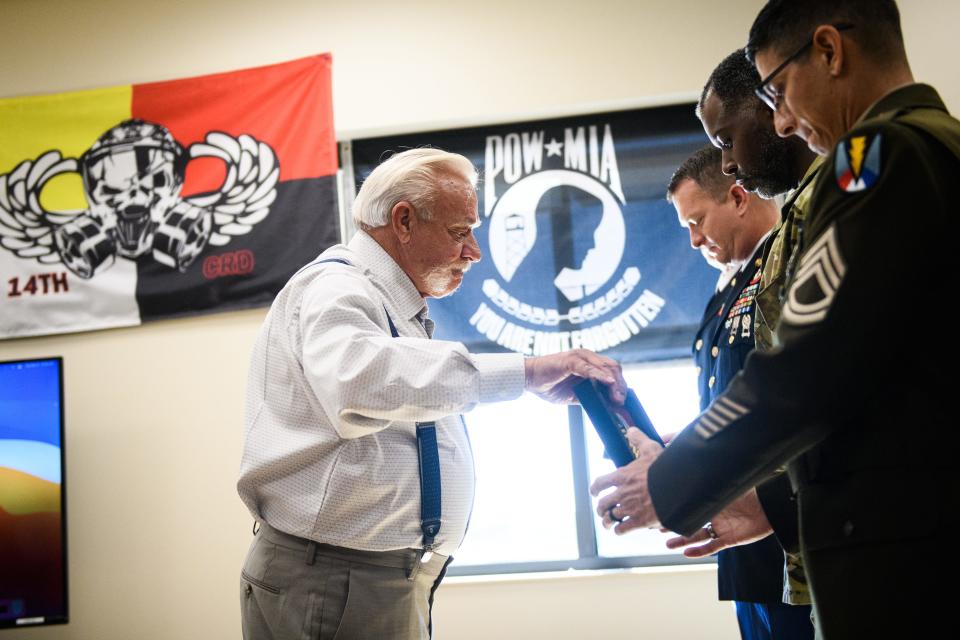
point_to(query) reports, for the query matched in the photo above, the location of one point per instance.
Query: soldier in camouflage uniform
(741, 126)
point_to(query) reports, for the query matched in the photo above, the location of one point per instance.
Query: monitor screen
(33, 555)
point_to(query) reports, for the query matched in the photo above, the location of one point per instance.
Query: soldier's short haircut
(704, 167)
(786, 25)
(733, 82)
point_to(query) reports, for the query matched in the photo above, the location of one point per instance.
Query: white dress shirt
(332, 400)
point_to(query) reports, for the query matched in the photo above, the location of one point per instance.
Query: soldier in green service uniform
(740, 125)
(852, 399)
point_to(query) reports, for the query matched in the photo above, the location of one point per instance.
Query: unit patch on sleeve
(858, 163)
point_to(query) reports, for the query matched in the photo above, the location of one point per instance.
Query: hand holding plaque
(633, 444)
(612, 421)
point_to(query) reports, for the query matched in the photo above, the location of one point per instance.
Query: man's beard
(439, 279)
(774, 175)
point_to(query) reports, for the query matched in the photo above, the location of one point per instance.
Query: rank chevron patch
(718, 416)
(821, 272)
(858, 163)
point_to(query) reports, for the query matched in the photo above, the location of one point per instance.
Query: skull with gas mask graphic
(132, 177)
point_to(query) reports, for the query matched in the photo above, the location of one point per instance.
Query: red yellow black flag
(164, 199)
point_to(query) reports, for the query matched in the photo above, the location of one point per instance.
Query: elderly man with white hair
(357, 465)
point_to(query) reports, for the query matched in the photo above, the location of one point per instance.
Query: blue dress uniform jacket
(857, 398)
(754, 572)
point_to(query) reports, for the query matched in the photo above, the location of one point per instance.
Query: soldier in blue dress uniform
(729, 226)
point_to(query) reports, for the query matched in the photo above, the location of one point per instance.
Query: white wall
(154, 415)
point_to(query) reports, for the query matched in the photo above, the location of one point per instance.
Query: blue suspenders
(429, 461)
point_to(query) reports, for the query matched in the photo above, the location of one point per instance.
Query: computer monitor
(33, 534)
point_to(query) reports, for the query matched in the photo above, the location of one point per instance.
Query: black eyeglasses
(770, 99)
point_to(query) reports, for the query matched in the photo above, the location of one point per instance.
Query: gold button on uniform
(730, 340)
(758, 262)
(714, 351)
(699, 344)
(711, 381)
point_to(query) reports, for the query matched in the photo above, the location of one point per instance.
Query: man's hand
(742, 522)
(629, 504)
(553, 377)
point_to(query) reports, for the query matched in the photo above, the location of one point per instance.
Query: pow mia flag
(166, 199)
(580, 249)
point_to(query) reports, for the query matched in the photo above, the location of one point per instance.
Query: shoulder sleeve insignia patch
(821, 271)
(857, 163)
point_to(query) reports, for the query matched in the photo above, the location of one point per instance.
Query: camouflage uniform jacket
(779, 255)
(780, 248)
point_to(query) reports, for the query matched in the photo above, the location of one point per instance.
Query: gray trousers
(293, 589)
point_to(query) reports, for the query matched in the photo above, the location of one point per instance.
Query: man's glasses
(763, 90)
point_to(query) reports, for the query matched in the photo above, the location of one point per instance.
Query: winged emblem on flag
(132, 179)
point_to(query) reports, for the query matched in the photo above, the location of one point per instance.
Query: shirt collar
(727, 272)
(394, 281)
(756, 249)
